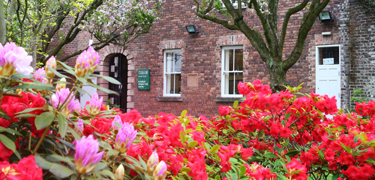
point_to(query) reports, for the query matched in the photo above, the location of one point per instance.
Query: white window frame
(165, 74)
(223, 71)
(317, 55)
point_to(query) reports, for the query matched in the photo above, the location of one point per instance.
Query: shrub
(283, 135)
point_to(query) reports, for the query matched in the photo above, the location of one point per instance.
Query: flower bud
(61, 85)
(95, 104)
(51, 64)
(120, 172)
(87, 154)
(153, 160)
(87, 62)
(125, 137)
(160, 171)
(40, 75)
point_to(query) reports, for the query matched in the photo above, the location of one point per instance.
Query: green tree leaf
(7, 142)
(63, 125)
(214, 149)
(41, 162)
(60, 171)
(192, 144)
(44, 120)
(109, 79)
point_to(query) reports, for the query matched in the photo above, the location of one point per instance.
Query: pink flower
(61, 96)
(84, 60)
(125, 137)
(93, 55)
(87, 62)
(39, 75)
(14, 58)
(118, 120)
(152, 161)
(160, 171)
(95, 104)
(87, 154)
(51, 64)
(80, 124)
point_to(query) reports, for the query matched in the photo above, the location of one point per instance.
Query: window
(172, 73)
(328, 55)
(232, 70)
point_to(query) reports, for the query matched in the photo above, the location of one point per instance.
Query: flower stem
(30, 141)
(41, 139)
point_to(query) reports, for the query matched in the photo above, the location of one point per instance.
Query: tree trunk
(33, 50)
(2, 23)
(277, 75)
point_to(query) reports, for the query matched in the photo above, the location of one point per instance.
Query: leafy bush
(268, 136)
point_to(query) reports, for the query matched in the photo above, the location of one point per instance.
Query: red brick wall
(201, 55)
(352, 28)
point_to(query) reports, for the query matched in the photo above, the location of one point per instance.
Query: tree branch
(219, 21)
(96, 48)
(306, 25)
(289, 13)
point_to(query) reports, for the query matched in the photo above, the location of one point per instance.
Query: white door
(91, 90)
(328, 72)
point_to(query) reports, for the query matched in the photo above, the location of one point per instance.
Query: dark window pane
(239, 60)
(329, 52)
(171, 84)
(231, 83)
(230, 60)
(178, 83)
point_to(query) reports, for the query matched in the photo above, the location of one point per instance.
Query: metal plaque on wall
(143, 79)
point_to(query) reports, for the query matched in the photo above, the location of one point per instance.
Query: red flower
(25, 169)
(28, 169)
(224, 110)
(12, 105)
(243, 88)
(5, 152)
(296, 170)
(4, 123)
(246, 153)
(355, 173)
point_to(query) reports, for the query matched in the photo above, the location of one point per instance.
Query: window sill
(228, 99)
(170, 99)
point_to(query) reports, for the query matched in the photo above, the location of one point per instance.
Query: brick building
(198, 72)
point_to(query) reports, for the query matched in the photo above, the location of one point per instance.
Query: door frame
(317, 64)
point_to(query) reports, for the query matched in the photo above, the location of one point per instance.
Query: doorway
(118, 69)
(328, 71)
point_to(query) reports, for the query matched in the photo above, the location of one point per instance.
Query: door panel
(328, 82)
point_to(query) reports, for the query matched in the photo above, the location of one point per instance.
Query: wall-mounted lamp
(325, 16)
(191, 29)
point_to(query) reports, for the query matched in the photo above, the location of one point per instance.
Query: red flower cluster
(258, 172)
(25, 169)
(296, 170)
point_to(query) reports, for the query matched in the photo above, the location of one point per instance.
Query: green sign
(143, 79)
